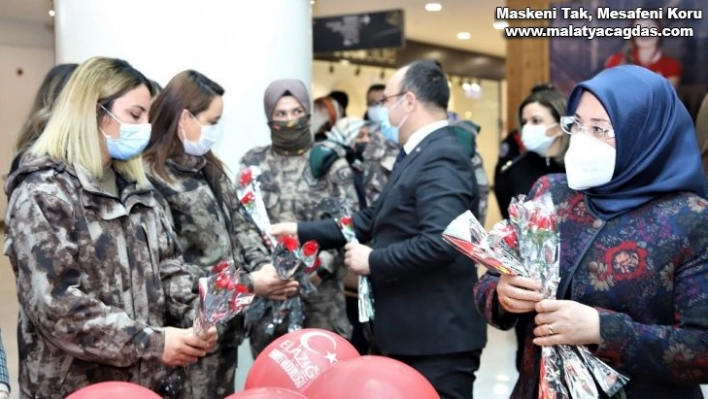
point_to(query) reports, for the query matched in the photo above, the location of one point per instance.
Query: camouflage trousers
(213, 376)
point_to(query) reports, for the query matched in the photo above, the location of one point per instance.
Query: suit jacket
(422, 286)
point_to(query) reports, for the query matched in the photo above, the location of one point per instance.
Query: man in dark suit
(424, 311)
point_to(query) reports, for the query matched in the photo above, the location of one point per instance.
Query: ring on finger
(550, 330)
(507, 301)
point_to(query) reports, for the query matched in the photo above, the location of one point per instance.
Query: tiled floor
(494, 380)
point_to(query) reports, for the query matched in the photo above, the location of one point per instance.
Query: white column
(242, 45)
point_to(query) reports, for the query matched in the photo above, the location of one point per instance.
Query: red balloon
(267, 393)
(371, 377)
(114, 390)
(294, 360)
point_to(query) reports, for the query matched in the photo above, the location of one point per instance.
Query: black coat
(517, 171)
(422, 286)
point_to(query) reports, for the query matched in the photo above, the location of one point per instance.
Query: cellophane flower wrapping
(528, 245)
(291, 261)
(250, 196)
(221, 296)
(340, 211)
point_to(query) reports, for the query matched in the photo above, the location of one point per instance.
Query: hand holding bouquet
(528, 245)
(340, 211)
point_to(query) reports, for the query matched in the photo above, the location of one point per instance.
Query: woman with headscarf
(291, 192)
(633, 256)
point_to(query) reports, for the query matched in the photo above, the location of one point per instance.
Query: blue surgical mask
(132, 139)
(374, 113)
(390, 132)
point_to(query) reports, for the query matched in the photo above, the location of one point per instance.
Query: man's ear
(410, 101)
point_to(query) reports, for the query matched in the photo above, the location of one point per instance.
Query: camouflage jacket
(97, 279)
(379, 157)
(292, 194)
(209, 231)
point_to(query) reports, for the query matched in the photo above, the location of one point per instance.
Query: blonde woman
(97, 266)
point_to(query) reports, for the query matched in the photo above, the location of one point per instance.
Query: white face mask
(209, 135)
(589, 162)
(374, 113)
(535, 139)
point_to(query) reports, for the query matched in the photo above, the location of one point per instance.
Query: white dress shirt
(420, 134)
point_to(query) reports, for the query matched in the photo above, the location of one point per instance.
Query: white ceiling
(441, 28)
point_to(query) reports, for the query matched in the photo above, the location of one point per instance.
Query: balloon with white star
(295, 360)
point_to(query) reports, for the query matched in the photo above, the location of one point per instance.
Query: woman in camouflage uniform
(292, 193)
(98, 268)
(205, 211)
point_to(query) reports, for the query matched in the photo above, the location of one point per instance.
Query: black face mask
(359, 150)
(291, 137)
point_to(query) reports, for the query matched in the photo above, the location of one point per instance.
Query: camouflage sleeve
(179, 279)
(253, 249)
(341, 183)
(46, 254)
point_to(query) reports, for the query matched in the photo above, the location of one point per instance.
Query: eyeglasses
(571, 126)
(384, 99)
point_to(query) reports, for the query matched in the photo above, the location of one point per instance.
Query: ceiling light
(433, 7)
(466, 86)
(51, 13)
(464, 35)
(499, 25)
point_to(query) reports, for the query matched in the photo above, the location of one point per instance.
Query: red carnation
(222, 281)
(310, 248)
(241, 289)
(248, 198)
(542, 221)
(346, 221)
(289, 242)
(246, 177)
(220, 267)
(510, 237)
